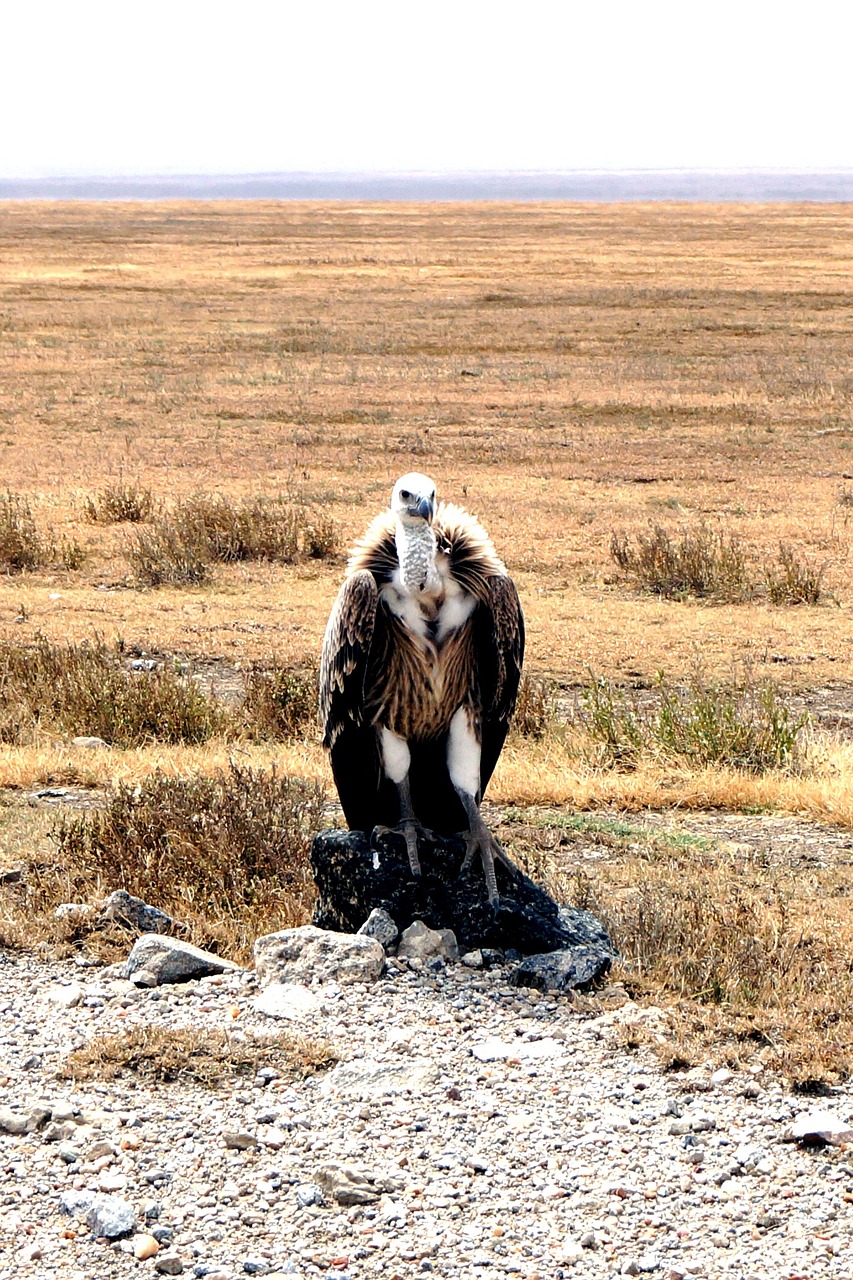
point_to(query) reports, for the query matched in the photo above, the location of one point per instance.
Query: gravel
(472, 1129)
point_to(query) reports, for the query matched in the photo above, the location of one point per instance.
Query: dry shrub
(21, 545)
(206, 1056)
(702, 562)
(120, 502)
(204, 529)
(744, 725)
(536, 707)
(748, 954)
(171, 552)
(227, 854)
(792, 580)
(280, 702)
(86, 689)
(706, 931)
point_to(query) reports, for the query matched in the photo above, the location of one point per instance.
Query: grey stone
(171, 960)
(110, 1216)
(91, 742)
(565, 970)
(348, 1185)
(239, 1141)
(366, 1078)
(309, 954)
(169, 1264)
(76, 1204)
(356, 871)
(29, 1121)
(380, 925)
(307, 1194)
(122, 908)
(74, 913)
(65, 995)
(420, 942)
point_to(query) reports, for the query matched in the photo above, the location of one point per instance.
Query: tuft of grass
(228, 852)
(745, 725)
(703, 563)
(22, 547)
(280, 701)
(205, 1056)
(171, 552)
(792, 580)
(182, 545)
(536, 708)
(120, 502)
(86, 690)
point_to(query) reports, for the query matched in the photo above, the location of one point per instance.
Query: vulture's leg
(396, 761)
(463, 763)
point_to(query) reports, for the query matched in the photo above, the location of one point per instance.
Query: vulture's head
(413, 499)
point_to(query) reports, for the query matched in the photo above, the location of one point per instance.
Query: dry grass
(199, 1055)
(751, 954)
(227, 855)
(564, 371)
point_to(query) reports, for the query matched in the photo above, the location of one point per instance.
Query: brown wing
(499, 646)
(355, 629)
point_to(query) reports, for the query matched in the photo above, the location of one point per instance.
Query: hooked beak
(425, 509)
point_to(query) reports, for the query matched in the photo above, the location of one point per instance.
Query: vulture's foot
(480, 840)
(411, 831)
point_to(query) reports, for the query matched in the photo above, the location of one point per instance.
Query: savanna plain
(648, 406)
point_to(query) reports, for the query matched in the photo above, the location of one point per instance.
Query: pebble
(473, 1130)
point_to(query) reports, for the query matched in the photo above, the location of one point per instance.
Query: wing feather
(500, 655)
(344, 659)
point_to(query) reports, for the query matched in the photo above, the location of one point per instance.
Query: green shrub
(742, 726)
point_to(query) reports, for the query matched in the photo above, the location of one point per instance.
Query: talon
(410, 830)
(490, 850)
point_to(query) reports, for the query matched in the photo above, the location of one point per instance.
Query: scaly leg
(463, 762)
(396, 759)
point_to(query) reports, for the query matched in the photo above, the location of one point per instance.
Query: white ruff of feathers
(416, 547)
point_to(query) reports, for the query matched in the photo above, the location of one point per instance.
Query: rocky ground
(471, 1129)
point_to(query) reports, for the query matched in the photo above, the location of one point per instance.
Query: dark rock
(156, 959)
(565, 970)
(355, 874)
(122, 908)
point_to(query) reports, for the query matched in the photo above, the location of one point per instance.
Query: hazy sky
(88, 87)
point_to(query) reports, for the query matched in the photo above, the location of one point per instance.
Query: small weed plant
(22, 547)
(182, 545)
(280, 702)
(744, 725)
(120, 502)
(793, 580)
(535, 709)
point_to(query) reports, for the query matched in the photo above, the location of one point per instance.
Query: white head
(413, 499)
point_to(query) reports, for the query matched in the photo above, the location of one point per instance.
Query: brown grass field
(566, 371)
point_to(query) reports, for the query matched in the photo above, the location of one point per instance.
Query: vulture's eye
(405, 495)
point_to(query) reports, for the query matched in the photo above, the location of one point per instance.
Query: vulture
(419, 674)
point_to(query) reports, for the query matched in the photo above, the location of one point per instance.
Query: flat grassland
(568, 372)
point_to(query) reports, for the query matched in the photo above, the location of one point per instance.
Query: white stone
(66, 996)
(290, 1000)
(493, 1049)
(419, 942)
(822, 1126)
